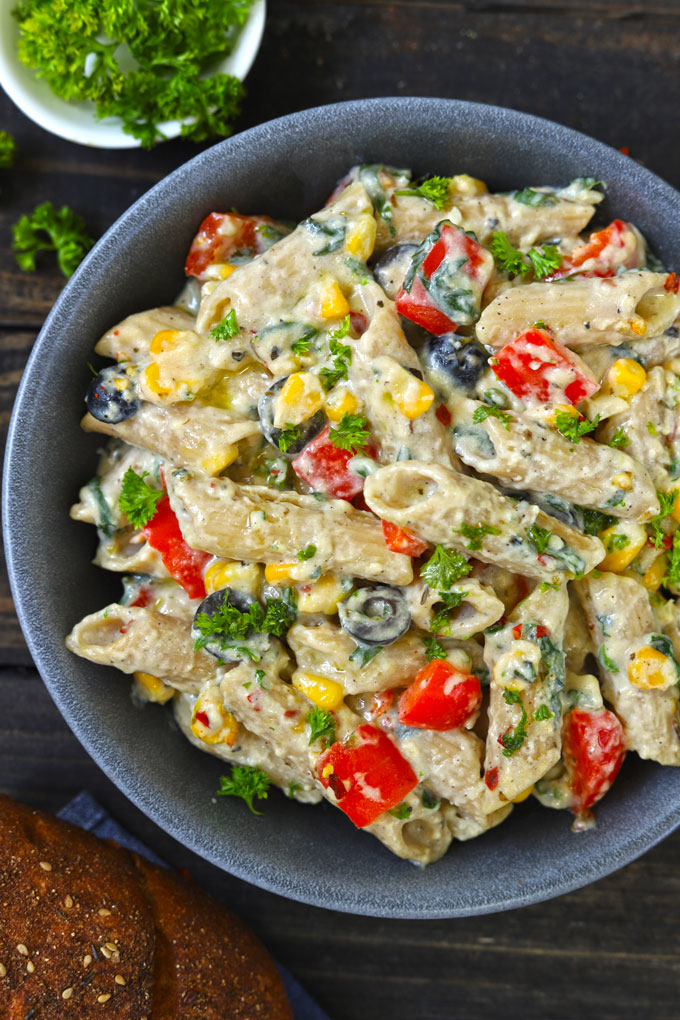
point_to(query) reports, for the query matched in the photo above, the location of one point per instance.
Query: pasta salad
(393, 495)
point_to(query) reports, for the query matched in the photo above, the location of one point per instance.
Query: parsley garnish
(619, 440)
(594, 521)
(607, 662)
(292, 789)
(231, 624)
(441, 621)
(362, 655)
(246, 782)
(8, 149)
(569, 426)
(673, 575)
(651, 428)
(429, 800)
(302, 345)
(434, 189)
(543, 712)
(528, 196)
(476, 532)
(307, 553)
(491, 411)
(351, 433)
(287, 436)
(322, 725)
(539, 537)
(667, 503)
(433, 649)
(549, 586)
(45, 229)
(510, 260)
(342, 357)
(401, 811)
(138, 501)
(227, 328)
(444, 568)
(617, 541)
(513, 740)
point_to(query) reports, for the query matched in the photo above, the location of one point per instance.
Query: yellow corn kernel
(122, 384)
(523, 795)
(626, 377)
(323, 692)
(340, 402)
(654, 575)
(624, 480)
(651, 669)
(216, 462)
(361, 241)
(152, 380)
(410, 394)
(225, 271)
(622, 543)
(226, 574)
(211, 723)
(462, 185)
(301, 396)
(152, 688)
(638, 326)
(164, 340)
(334, 303)
(321, 596)
(327, 771)
(275, 572)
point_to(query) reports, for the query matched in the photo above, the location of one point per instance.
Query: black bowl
(287, 168)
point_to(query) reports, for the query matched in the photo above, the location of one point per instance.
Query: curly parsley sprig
(434, 189)
(8, 149)
(138, 501)
(542, 263)
(46, 229)
(351, 433)
(246, 782)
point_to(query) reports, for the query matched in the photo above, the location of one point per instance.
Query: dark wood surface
(608, 68)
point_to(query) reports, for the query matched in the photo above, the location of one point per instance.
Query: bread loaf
(88, 929)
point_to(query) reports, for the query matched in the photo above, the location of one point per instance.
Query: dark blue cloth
(85, 812)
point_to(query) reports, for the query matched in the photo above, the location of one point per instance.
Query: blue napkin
(85, 812)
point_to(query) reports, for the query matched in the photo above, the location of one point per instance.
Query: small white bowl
(76, 121)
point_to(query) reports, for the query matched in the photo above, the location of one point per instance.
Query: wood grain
(608, 68)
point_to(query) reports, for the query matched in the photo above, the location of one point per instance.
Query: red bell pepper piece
(367, 774)
(401, 540)
(593, 748)
(537, 368)
(184, 563)
(444, 285)
(326, 468)
(616, 246)
(440, 698)
(541, 631)
(222, 234)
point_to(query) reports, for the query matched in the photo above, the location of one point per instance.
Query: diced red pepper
(203, 718)
(443, 414)
(491, 778)
(471, 266)
(144, 597)
(593, 748)
(536, 367)
(222, 234)
(367, 773)
(185, 564)
(541, 631)
(616, 246)
(672, 283)
(441, 697)
(401, 540)
(326, 468)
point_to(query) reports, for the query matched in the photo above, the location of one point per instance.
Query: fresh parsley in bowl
(131, 72)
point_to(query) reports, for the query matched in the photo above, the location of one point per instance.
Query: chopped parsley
(510, 260)
(513, 739)
(549, 586)
(673, 575)
(569, 426)
(229, 623)
(308, 553)
(342, 356)
(539, 538)
(475, 534)
(47, 229)
(350, 434)
(433, 649)
(619, 440)
(227, 328)
(543, 712)
(429, 800)
(441, 621)
(528, 196)
(322, 726)
(246, 782)
(138, 501)
(444, 568)
(363, 654)
(594, 521)
(292, 789)
(667, 503)
(434, 189)
(401, 811)
(288, 435)
(607, 662)
(617, 541)
(332, 234)
(651, 428)
(491, 411)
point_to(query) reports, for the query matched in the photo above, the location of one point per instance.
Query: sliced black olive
(111, 396)
(392, 267)
(247, 647)
(296, 438)
(377, 615)
(453, 362)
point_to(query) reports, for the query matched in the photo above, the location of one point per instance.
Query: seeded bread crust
(89, 930)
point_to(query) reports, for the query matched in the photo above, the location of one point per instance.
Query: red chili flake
(290, 712)
(203, 718)
(491, 778)
(337, 786)
(625, 150)
(252, 698)
(123, 630)
(541, 631)
(116, 332)
(143, 598)
(672, 283)
(358, 322)
(443, 414)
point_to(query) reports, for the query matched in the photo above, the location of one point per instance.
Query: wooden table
(608, 68)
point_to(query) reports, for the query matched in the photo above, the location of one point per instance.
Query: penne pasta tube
(194, 434)
(442, 506)
(128, 553)
(526, 664)
(258, 524)
(649, 716)
(130, 339)
(584, 311)
(138, 640)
